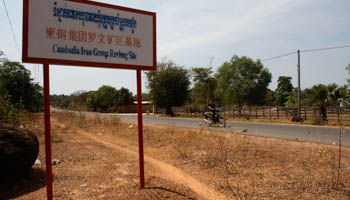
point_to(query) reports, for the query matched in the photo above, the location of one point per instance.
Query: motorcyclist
(212, 110)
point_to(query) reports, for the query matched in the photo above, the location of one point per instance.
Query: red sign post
(140, 129)
(92, 34)
(47, 131)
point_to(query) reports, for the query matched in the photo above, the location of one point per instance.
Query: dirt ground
(99, 160)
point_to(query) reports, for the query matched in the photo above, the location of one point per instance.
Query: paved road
(324, 135)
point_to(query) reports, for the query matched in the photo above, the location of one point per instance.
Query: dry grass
(248, 167)
(88, 169)
(237, 165)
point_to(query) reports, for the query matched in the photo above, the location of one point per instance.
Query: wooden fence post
(256, 112)
(263, 112)
(270, 113)
(287, 113)
(338, 114)
(304, 113)
(278, 113)
(315, 114)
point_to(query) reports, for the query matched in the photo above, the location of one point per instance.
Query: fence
(307, 113)
(133, 108)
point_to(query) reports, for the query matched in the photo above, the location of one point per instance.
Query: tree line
(239, 82)
(18, 92)
(105, 99)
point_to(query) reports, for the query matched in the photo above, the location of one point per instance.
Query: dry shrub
(56, 138)
(247, 167)
(68, 118)
(227, 158)
(73, 120)
(241, 166)
(184, 144)
(108, 124)
(35, 123)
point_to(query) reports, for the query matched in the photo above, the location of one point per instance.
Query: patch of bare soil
(99, 160)
(91, 169)
(164, 170)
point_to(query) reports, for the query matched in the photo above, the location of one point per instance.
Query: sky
(192, 32)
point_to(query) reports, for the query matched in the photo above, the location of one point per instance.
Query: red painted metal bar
(140, 130)
(47, 132)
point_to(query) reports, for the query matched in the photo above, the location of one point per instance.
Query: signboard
(86, 33)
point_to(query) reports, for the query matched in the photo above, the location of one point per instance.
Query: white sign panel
(86, 33)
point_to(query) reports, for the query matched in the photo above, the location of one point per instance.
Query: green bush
(8, 113)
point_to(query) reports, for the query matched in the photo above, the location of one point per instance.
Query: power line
(327, 48)
(308, 50)
(287, 54)
(13, 33)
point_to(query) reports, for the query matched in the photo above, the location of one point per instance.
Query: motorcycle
(218, 120)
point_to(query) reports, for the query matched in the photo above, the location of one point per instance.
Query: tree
(317, 95)
(169, 85)
(324, 95)
(91, 100)
(204, 85)
(320, 97)
(292, 99)
(243, 81)
(270, 97)
(106, 98)
(2, 57)
(125, 97)
(61, 101)
(284, 89)
(16, 84)
(79, 100)
(348, 69)
(337, 94)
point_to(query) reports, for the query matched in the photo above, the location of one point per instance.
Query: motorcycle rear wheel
(222, 122)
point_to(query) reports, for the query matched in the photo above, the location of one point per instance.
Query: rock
(37, 162)
(83, 185)
(55, 162)
(19, 149)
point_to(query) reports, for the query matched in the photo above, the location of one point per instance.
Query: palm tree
(337, 94)
(319, 95)
(322, 96)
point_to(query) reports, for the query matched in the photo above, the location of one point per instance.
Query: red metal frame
(27, 59)
(47, 132)
(48, 152)
(140, 129)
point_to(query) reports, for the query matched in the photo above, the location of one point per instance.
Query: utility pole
(299, 85)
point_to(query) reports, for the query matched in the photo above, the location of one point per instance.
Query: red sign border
(27, 59)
